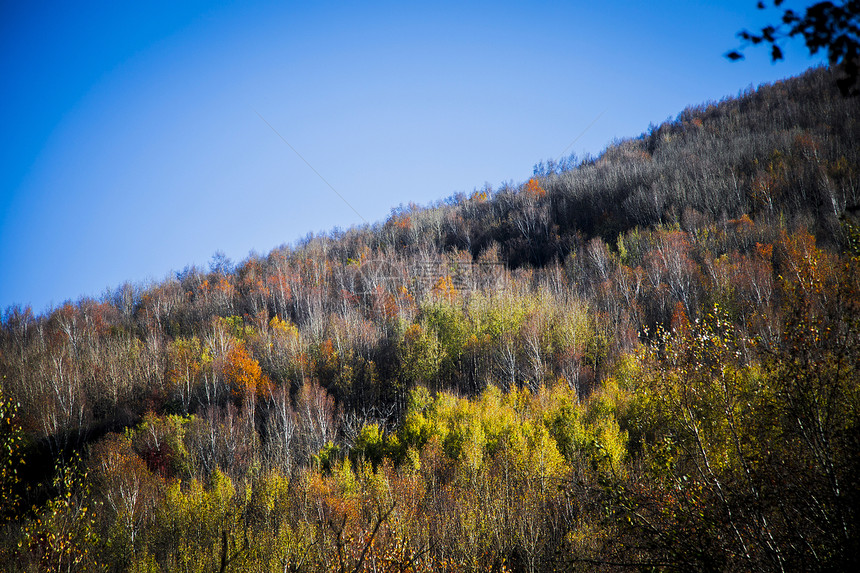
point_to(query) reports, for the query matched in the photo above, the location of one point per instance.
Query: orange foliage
(444, 288)
(384, 304)
(534, 188)
(764, 251)
(327, 351)
(806, 145)
(243, 372)
(480, 196)
(333, 503)
(680, 321)
(742, 223)
(406, 299)
(808, 267)
(222, 286)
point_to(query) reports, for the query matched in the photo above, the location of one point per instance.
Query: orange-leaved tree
(243, 373)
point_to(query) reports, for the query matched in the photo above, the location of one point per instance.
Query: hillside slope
(643, 359)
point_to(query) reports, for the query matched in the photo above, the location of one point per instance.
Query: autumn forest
(644, 360)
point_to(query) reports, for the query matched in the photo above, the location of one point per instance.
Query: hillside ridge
(641, 360)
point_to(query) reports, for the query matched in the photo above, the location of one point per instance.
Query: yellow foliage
(283, 328)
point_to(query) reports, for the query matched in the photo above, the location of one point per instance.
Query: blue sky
(132, 143)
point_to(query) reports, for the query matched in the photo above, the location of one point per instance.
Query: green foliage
(416, 430)
(327, 457)
(11, 457)
(61, 536)
(193, 522)
(446, 323)
(852, 237)
(234, 326)
(370, 445)
(735, 450)
(420, 355)
(160, 441)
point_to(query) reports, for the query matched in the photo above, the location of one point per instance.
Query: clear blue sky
(132, 146)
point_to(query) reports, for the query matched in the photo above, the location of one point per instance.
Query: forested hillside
(643, 360)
